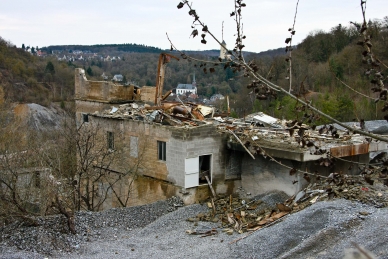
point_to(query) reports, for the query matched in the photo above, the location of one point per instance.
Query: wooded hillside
(320, 61)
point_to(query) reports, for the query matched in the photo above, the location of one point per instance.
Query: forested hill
(319, 62)
(104, 48)
(139, 48)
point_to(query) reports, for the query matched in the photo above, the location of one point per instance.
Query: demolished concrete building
(186, 147)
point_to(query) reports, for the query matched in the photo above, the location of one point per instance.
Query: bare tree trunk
(69, 214)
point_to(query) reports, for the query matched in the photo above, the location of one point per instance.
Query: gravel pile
(52, 237)
(323, 230)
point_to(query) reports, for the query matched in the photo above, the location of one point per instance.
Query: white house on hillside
(182, 89)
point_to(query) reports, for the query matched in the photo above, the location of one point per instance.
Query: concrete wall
(129, 191)
(260, 175)
(181, 143)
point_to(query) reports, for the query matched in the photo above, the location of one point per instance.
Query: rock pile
(174, 202)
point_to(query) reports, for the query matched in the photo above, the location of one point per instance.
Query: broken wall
(260, 175)
(148, 94)
(102, 91)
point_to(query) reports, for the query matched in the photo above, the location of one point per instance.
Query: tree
(89, 71)
(50, 68)
(15, 185)
(93, 157)
(121, 183)
(266, 89)
(23, 47)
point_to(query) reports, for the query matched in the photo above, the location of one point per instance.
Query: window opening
(85, 117)
(162, 150)
(36, 179)
(110, 140)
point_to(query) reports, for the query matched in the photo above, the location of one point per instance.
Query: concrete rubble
(256, 134)
(254, 130)
(238, 214)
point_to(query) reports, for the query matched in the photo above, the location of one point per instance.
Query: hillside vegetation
(320, 61)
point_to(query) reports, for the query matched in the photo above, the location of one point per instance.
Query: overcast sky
(85, 22)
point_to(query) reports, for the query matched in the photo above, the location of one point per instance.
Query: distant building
(105, 77)
(182, 89)
(118, 78)
(216, 97)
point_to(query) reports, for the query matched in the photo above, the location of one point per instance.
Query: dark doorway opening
(205, 168)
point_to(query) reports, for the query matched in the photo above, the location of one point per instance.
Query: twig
(351, 87)
(381, 62)
(278, 88)
(191, 58)
(242, 144)
(290, 56)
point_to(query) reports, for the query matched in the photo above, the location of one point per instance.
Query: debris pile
(254, 132)
(369, 188)
(241, 215)
(308, 139)
(51, 236)
(171, 113)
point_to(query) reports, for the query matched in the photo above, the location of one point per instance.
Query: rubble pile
(174, 202)
(255, 131)
(366, 188)
(255, 138)
(171, 113)
(236, 214)
(241, 215)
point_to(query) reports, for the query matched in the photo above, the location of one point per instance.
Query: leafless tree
(122, 183)
(263, 87)
(20, 171)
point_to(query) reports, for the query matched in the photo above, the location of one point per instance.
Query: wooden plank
(211, 187)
